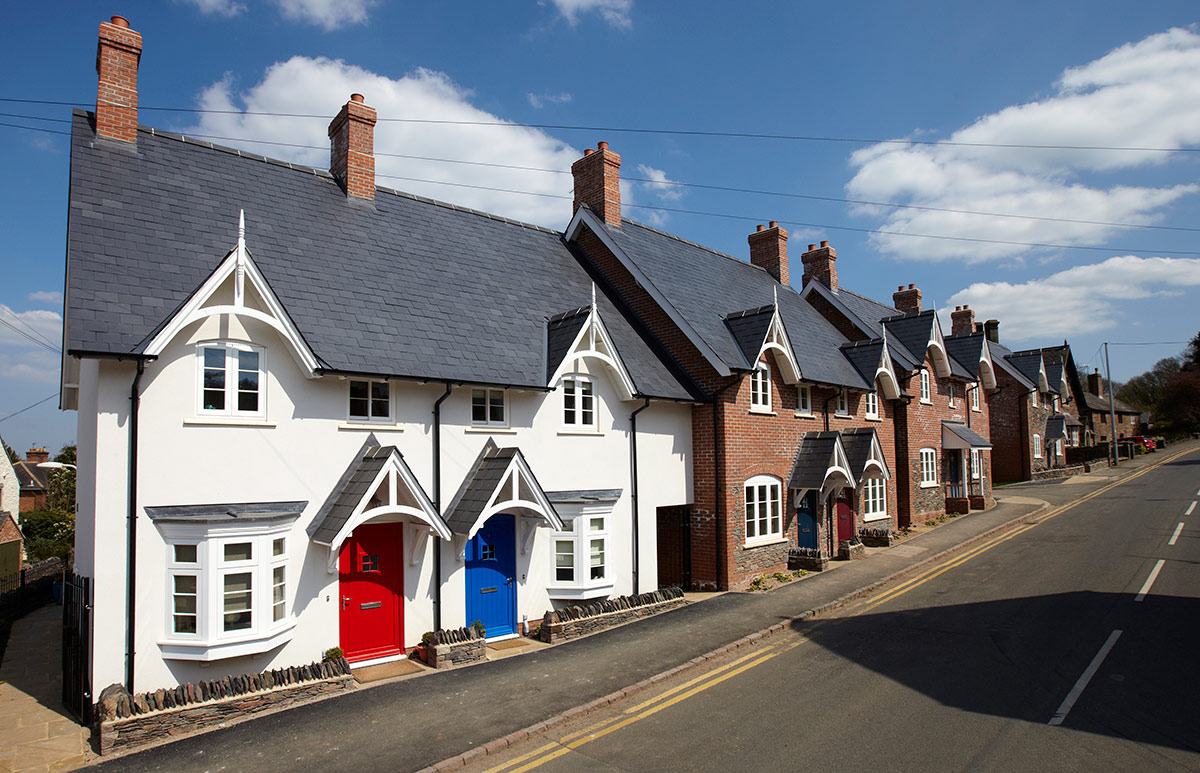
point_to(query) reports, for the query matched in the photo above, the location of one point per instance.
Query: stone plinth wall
(808, 563)
(115, 734)
(569, 624)
(878, 539)
(1059, 472)
(959, 505)
(458, 654)
(848, 551)
(977, 502)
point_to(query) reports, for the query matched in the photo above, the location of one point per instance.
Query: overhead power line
(30, 338)
(28, 407)
(640, 130)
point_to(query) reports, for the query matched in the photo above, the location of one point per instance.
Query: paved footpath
(453, 716)
(36, 733)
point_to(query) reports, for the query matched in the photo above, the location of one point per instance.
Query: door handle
(345, 601)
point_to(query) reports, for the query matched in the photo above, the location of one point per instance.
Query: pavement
(448, 718)
(36, 733)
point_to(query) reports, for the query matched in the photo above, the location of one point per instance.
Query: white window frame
(872, 410)
(976, 464)
(874, 499)
(370, 418)
(760, 388)
(211, 641)
(951, 403)
(1034, 397)
(768, 510)
(928, 459)
(1056, 402)
(586, 525)
(803, 400)
(1037, 446)
(925, 386)
(231, 371)
(489, 401)
(975, 396)
(573, 418)
(841, 404)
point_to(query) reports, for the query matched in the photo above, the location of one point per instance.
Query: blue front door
(806, 521)
(491, 581)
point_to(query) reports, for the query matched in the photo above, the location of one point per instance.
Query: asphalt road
(1008, 660)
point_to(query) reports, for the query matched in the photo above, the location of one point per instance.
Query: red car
(1142, 440)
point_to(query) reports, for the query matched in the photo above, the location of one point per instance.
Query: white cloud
(1079, 300)
(33, 367)
(660, 184)
(1144, 94)
(538, 101)
(45, 296)
(37, 323)
(320, 86)
(328, 14)
(615, 12)
(219, 7)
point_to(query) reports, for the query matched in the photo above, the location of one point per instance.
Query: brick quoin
(352, 148)
(118, 53)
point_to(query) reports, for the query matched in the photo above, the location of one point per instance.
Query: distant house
(33, 479)
(1097, 415)
(10, 532)
(10, 487)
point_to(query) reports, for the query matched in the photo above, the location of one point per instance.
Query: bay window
(581, 568)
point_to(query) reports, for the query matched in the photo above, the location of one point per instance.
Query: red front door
(371, 584)
(845, 516)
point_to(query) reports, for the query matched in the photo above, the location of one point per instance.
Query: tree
(1145, 391)
(60, 484)
(48, 533)
(1179, 408)
(13, 456)
(1191, 355)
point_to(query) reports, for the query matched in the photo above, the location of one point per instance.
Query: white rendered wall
(298, 453)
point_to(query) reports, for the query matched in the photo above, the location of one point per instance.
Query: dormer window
(231, 380)
(488, 408)
(579, 402)
(925, 386)
(760, 388)
(370, 401)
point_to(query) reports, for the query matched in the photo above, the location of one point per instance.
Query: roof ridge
(748, 312)
(324, 174)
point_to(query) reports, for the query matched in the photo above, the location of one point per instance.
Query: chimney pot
(760, 227)
(774, 224)
(359, 98)
(120, 21)
(588, 151)
(597, 178)
(824, 242)
(911, 286)
(812, 247)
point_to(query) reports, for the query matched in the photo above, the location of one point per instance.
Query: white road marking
(1150, 580)
(1191, 507)
(1079, 687)
(1175, 536)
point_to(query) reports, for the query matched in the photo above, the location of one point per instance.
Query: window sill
(804, 415)
(925, 402)
(873, 418)
(227, 421)
(176, 649)
(842, 416)
(928, 485)
(584, 432)
(762, 542)
(580, 592)
(382, 426)
(481, 430)
(875, 517)
(976, 410)
(762, 411)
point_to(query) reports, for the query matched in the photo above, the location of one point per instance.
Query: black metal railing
(77, 646)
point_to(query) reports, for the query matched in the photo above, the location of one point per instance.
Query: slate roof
(583, 496)
(749, 329)
(703, 285)
(870, 311)
(402, 286)
(1098, 404)
(351, 489)
(1056, 428)
(481, 482)
(966, 350)
(864, 356)
(1000, 357)
(1030, 367)
(812, 459)
(912, 331)
(561, 330)
(239, 512)
(857, 442)
(30, 477)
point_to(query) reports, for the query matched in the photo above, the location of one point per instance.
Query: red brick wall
(1009, 425)
(117, 54)
(836, 318)
(352, 148)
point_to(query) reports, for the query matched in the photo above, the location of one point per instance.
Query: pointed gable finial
(242, 226)
(593, 297)
(775, 292)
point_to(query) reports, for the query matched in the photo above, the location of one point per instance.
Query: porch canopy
(821, 464)
(1056, 428)
(958, 436)
(500, 481)
(233, 513)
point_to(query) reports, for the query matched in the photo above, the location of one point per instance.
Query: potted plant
(423, 647)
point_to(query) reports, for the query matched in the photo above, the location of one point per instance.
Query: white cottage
(315, 413)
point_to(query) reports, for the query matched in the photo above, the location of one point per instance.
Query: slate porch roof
(963, 436)
(481, 482)
(402, 286)
(704, 285)
(240, 512)
(1056, 428)
(813, 455)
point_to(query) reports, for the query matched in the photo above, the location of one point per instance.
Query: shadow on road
(1019, 658)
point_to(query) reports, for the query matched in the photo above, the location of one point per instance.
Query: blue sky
(1105, 74)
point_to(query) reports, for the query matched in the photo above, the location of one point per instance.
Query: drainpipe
(437, 504)
(825, 408)
(131, 547)
(633, 484)
(719, 484)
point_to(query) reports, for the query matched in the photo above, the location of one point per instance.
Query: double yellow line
(930, 574)
(640, 711)
(682, 692)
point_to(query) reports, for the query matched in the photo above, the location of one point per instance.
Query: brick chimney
(818, 264)
(991, 330)
(907, 300)
(768, 249)
(37, 456)
(352, 148)
(962, 321)
(1096, 384)
(117, 57)
(598, 183)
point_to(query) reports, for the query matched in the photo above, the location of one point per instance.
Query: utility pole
(1112, 409)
